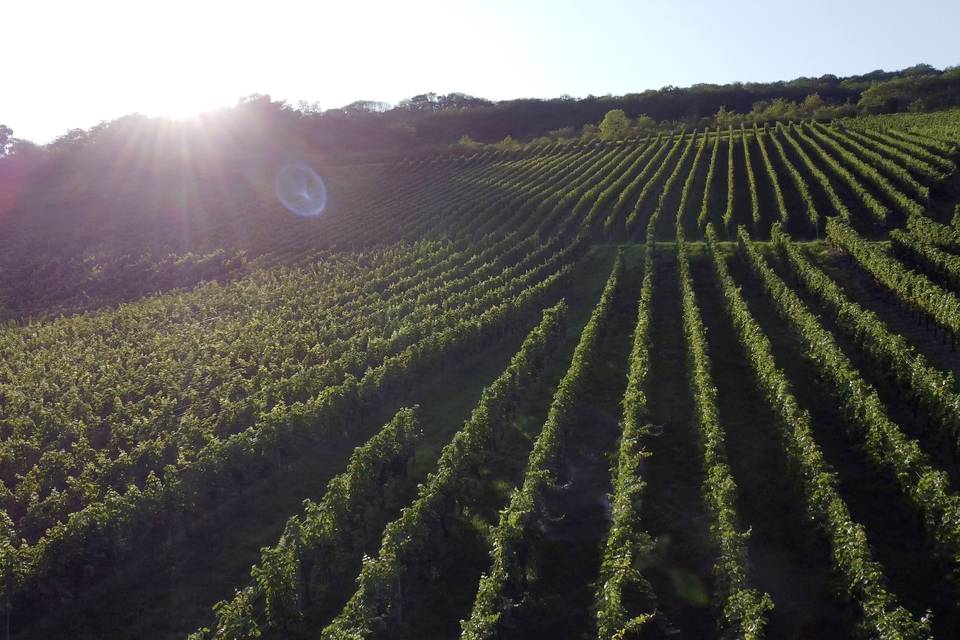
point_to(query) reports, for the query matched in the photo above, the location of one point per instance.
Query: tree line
(433, 121)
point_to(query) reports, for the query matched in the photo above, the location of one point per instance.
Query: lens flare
(301, 190)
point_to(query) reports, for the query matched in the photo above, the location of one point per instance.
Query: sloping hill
(618, 377)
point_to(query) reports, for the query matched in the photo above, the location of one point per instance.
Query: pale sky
(73, 64)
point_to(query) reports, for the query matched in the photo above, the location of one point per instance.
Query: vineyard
(699, 385)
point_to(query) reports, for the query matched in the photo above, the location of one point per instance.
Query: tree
(810, 105)
(459, 100)
(422, 102)
(255, 100)
(777, 110)
(508, 144)
(19, 148)
(921, 69)
(6, 139)
(72, 139)
(306, 107)
(466, 142)
(366, 106)
(563, 133)
(615, 125)
(589, 132)
(644, 123)
(725, 119)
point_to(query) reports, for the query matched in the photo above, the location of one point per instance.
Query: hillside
(696, 384)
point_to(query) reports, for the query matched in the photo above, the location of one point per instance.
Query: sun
(183, 104)
(186, 89)
(176, 109)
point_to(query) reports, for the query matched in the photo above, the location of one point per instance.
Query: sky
(73, 64)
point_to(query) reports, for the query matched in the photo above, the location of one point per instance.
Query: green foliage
(688, 183)
(643, 122)
(935, 234)
(615, 125)
(507, 144)
(912, 250)
(466, 142)
(839, 207)
(598, 187)
(913, 289)
(781, 109)
(589, 132)
(927, 489)
(503, 584)
(639, 182)
(608, 189)
(628, 547)
(380, 582)
(929, 388)
(751, 179)
(327, 537)
(771, 173)
(813, 216)
(885, 164)
(744, 608)
(874, 206)
(724, 119)
(913, 94)
(664, 191)
(572, 196)
(903, 155)
(863, 576)
(704, 207)
(123, 425)
(827, 137)
(198, 470)
(662, 169)
(728, 212)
